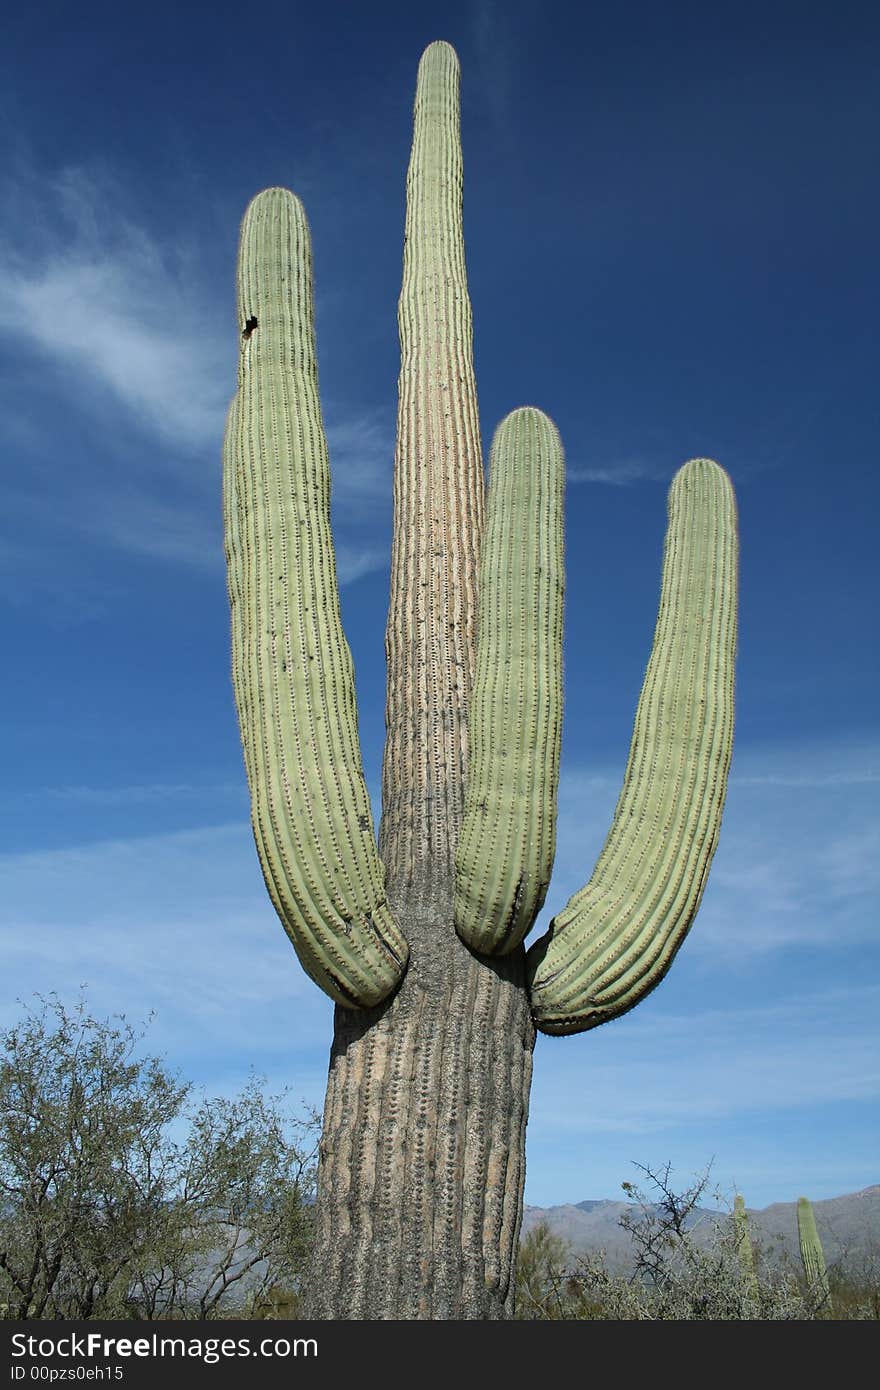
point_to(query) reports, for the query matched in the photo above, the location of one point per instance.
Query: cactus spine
(421, 1176)
(812, 1255)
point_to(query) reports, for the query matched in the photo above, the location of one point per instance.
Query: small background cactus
(813, 1256)
(744, 1249)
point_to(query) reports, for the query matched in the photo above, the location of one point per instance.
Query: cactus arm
(505, 853)
(616, 938)
(812, 1254)
(291, 666)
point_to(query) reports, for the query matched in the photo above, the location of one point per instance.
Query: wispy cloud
(638, 1083)
(135, 519)
(490, 33)
(622, 474)
(353, 563)
(106, 302)
(851, 778)
(851, 862)
(798, 861)
(179, 923)
(361, 451)
(765, 1089)
(132, 341)
(135, 794)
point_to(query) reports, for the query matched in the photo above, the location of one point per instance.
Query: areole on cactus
(420, 942)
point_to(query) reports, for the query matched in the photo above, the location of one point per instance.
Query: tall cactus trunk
(423, 1150)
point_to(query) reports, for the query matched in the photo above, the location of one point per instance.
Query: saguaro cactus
(421, 944)
(745, 1252)
(813, 1256)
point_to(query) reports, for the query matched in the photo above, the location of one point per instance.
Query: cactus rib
(616, 938)
(291, 667)
(505, 853)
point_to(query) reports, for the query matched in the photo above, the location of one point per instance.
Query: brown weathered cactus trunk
(422, 1155)
(423, 1150)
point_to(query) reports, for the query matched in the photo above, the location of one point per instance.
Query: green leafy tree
(106, 1212)
(542, 1262)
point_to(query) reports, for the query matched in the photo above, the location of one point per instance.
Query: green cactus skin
(616, 938)
(744, 1250)
(812, 1254)
(291, 667)
(438, 509)
(505, 853)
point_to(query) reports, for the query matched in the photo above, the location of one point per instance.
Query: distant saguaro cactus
(420, 942)
(812, 1255)
(744, 1250)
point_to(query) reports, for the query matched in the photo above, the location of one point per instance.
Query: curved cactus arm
(291, 667)
(505, 852)
(812, 1254)
(616, 938)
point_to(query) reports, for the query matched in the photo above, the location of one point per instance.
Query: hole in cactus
(249, 327)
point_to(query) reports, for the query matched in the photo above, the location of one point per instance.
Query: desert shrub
(685, 1266)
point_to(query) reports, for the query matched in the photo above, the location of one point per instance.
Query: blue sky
(671, 228)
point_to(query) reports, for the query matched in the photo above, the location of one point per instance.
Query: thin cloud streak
(493, 46)
(830, 779)
(184, 531)
(353, 564)
(179, 923)
(361, 453)
(124, 323)
(92, 318)
(106, 301)
(117, 304)
(137, 794)
(619, 475)
(646, 1075)
(798, 861)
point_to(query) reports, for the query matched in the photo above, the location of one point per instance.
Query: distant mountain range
(849, 1228)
